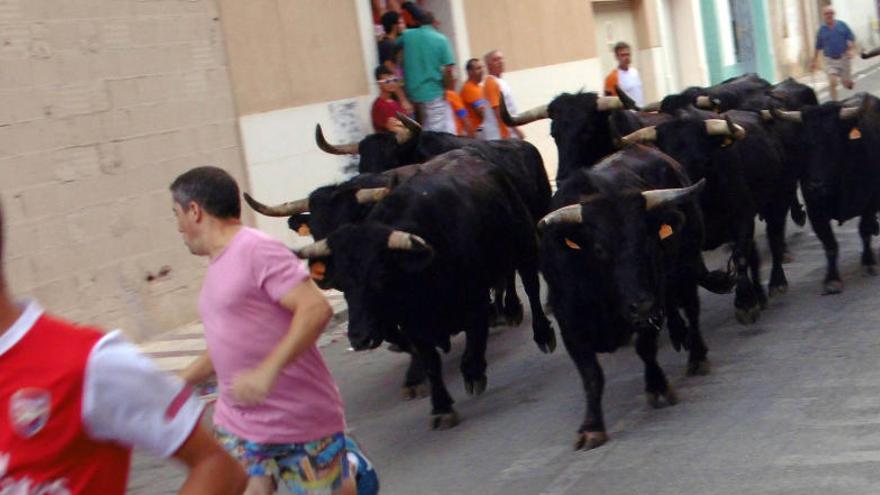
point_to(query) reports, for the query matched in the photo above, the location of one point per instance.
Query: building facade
(104, 102)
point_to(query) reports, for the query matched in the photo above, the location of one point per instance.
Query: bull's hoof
(548, 344)
(410, 392)
(589, 440)
(748, 316)
(475, 387)
(832, 287)
(656, 400)
(870, 270)
(777, 290)
(699, 368)
(444, 421)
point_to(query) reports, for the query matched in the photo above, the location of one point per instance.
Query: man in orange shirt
(625, 76)
(463, 125)
(472, 95)
(493, 88)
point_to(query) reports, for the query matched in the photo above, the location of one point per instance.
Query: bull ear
(658, 198)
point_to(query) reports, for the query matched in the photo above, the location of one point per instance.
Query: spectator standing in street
(472, 95)
(76, 400)
(835, 40)
(278, 410)
(493, 88)
(385, 108)
(625, 76)
(463, 125)
(427, 65)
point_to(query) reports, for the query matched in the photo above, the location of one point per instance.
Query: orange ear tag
(855, 133)
(727, 141)
(304, 230)
(572, 244)
(665, 231)
(317, 270)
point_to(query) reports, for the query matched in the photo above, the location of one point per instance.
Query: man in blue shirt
(835, 39)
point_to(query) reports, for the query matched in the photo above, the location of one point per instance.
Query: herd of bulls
(434, 224)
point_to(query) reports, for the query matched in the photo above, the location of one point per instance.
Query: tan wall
(531, 34)
(102, 104)
(286, 53)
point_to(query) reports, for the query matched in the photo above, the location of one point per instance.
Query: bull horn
(704, 102)
(657, 198)
(652, 107)
(643, 135)
(522, 118)
(318, 249)
(371, 195)
(283, 210)
(399, 240)
(606, 103)
(847, 113)
(794, 116)
(566, 214)
(334, 149)
(412, 128)
(766, 115)
(719, 127)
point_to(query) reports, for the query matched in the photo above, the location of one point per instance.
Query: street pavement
(792, 404)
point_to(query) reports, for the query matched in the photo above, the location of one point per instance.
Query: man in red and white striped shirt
(74, 401)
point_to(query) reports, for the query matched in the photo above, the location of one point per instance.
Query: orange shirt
(610, 83)
(472, 97)
(458, 109)
(492, 92)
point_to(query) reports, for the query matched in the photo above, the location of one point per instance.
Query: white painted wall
(861, 17)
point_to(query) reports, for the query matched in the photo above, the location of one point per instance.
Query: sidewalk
(818, 80)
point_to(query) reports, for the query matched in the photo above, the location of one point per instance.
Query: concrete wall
(102, 104)
(861, 17)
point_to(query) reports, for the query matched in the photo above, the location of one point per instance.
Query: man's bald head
(828, 14)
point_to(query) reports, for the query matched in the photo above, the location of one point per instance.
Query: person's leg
(846, 73)
(832, 85)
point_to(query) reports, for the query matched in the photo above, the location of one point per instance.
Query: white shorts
(840, 67)
(437, 115)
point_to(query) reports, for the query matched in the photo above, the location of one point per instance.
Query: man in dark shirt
(835, 39)
(392, 23)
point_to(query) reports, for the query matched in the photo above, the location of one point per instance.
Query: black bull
(618, 255)
(422, 263)
(330, 207)
(840, 180)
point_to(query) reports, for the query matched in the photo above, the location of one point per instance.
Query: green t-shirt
(425, 53)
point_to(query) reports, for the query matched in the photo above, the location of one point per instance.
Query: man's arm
(211, 469)
(199, 370)
(404, 101)
(447, 74)
(311, 312)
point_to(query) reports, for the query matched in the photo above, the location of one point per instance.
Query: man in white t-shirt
(624, 76)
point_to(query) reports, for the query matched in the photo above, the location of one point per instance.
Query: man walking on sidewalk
(279, 410)
(74, 401)
(835, 39)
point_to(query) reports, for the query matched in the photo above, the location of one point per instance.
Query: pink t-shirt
(243, 324)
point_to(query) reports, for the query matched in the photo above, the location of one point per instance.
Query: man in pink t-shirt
(279, 410)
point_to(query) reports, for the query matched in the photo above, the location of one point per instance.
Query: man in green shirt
(427, 65)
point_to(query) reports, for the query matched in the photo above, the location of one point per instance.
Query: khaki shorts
(840, 67)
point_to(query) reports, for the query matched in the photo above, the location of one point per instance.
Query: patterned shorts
(313, 468)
